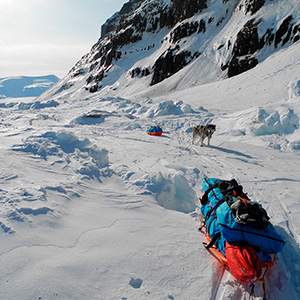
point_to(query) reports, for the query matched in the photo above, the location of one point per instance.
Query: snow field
(94, 208)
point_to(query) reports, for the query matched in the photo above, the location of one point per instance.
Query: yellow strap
(263, 282)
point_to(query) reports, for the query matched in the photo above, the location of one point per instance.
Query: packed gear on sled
(238, 230)
(154, 130)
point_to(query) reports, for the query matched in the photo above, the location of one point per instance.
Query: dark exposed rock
(220, 22)
(138, 22)
(253, 6)
(296, 33)
(67, 85)
(96, 77)
(93, 66)
(94, 88)
(288, 36)
(138, 72)
(129, 6)
(110, 24)
(224, 67)
(228, 45)
(170, 63)
(240, 65)
(79, 72)
(287, 31)
(296, 29)
(146, 72)
(140, 18)
(247, 41)
(268, 37)
(283, 29)
(135, 72)
(126, 37)
(186, 9)
(102, 49)
(180, 11)
(121, 30)
(186, 29)
(246, 44)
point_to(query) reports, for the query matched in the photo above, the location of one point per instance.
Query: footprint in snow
(136, 283)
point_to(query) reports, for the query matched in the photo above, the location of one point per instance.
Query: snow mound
(283, 121)
(172, 191)
(168, 108)
(92, 118)
(148, 109)
(26, 203)
(295, 145)
(145, 111)
(37, 105)
(7, 105)
(63, 157)
(80, 155)
(277, 128)
(294, 89)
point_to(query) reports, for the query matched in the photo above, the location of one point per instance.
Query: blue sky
(42, 37)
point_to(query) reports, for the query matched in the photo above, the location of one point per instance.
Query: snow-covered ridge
(148, 42)
(25, 86)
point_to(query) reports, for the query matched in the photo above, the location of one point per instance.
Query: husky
(203, 131)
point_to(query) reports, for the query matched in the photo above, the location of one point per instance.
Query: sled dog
(203, 131)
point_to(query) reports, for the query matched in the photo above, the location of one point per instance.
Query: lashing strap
(213, 240)
(214, 207)
(204, 197)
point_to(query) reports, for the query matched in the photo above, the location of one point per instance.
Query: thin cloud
(39, 37)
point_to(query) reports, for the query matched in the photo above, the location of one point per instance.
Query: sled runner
(264, 265)
(154, 130)
(238, 231)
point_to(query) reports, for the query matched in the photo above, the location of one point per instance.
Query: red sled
(242, 261)
(154, 130)
(222, 259)
(158, 133)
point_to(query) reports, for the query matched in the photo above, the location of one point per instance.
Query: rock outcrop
(155, 39)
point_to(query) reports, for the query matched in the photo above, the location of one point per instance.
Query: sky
(43, 37)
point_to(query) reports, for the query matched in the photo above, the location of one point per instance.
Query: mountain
(198, 41)
(25, 86)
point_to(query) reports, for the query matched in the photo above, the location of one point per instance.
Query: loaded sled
(238, 231)
(154, 130)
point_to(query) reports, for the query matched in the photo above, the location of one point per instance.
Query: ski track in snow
(218, 166)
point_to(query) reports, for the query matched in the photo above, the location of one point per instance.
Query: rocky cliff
(149, 41)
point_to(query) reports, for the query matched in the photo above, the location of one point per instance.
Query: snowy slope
(25, 86)
(149, 42)
(94, 208)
